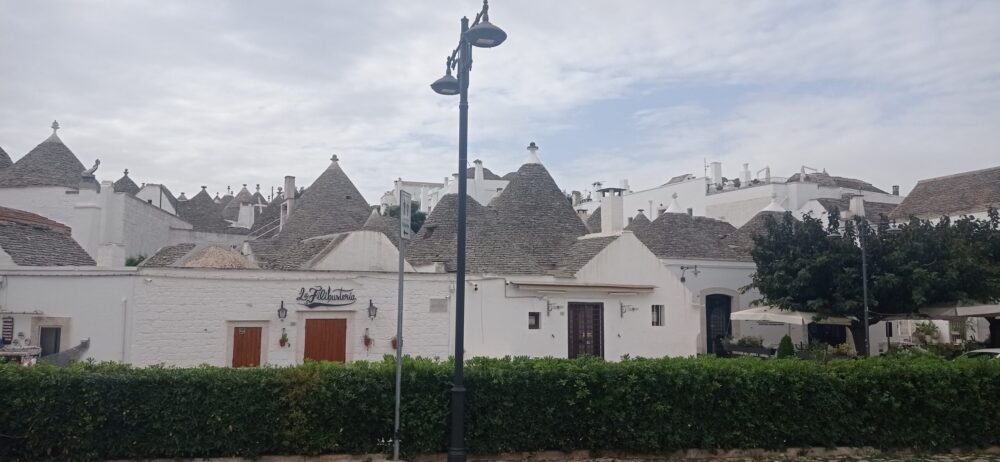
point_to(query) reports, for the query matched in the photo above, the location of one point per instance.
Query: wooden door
(246, 346)
(718, 325)
(326, 340)
(586, 329)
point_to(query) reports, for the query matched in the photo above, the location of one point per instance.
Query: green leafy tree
(801, 267)
(417, 217)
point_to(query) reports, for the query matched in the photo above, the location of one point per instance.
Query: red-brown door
(326, 340)
(246, 346)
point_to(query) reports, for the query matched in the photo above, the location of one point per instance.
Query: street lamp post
(485, 35)
(863, 242)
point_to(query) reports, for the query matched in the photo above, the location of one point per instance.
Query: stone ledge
(833, 454)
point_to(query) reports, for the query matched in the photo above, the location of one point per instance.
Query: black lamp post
(485, 35)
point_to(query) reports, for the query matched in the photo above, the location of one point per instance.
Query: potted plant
(283, 341)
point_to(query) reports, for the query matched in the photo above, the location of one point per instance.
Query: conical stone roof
(489, 250)
(638, 223)
(332, 204)
(5, 159)
(384, 224)
(231, 211)
(126, 185)
(679, 235)
(205, 215)
(536, 215)
(50, 163)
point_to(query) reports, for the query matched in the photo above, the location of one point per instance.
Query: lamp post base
(456, 447)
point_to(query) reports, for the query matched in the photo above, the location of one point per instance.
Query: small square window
(657, 315)
(534, 320)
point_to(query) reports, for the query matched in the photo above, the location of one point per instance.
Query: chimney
(612, 210)
(745, 174)
(577, 198)
(479, 169)
(895, 190)
(857, 206)
(716, 169)
(289, 205)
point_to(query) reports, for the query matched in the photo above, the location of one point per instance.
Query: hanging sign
(312, 297)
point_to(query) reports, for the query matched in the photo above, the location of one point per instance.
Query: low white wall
(97, 302)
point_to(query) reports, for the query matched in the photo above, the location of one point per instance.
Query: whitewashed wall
(53, 202)
(147, 228)
(97, 304)
(362, 251)
(154, 195)
(184, 316)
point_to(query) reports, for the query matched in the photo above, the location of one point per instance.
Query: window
(534, 320)
(657, 315)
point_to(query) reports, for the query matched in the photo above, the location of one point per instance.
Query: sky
(225, 93)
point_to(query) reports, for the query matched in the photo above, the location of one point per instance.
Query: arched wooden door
(718, 326)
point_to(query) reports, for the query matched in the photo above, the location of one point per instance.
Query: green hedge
(637, 405)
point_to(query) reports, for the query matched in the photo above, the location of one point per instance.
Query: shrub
(88, 412)
(785, 348)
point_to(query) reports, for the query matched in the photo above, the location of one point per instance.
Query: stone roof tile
(962, 193)
(33, 240)
(50, 163)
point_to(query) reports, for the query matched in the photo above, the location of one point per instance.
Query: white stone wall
(93, 303)
(185, 315)
(52, 202)
(147, 228)
(362, 251)
(154, 195)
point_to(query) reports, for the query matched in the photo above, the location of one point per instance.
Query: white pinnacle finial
(675, 207)
(55, 126)
(533, 153)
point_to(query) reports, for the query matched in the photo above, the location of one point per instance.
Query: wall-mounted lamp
(282, 311)
(625, 308)
(694, 271)
(372, 310)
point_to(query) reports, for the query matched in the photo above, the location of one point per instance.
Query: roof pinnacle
(55, 126)
(126, 172)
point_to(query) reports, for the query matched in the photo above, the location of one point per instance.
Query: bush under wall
(637, 405)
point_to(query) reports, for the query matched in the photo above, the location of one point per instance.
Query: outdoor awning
(772, 314)
(953, 312)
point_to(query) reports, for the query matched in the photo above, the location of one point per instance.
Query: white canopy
(951, 312)
(772, 314)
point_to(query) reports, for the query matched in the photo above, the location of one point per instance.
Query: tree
(417, 217)
(800, 267)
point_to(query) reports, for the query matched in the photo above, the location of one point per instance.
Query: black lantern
(372, 310)
(282, 311)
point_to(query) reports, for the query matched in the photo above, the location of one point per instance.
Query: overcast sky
(230, 92)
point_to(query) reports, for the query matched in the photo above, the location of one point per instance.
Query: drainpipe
(124, 328)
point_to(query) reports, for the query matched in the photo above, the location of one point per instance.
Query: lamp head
(485, 35)
(446, 85)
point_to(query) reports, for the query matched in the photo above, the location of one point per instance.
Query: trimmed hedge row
(637, 405)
